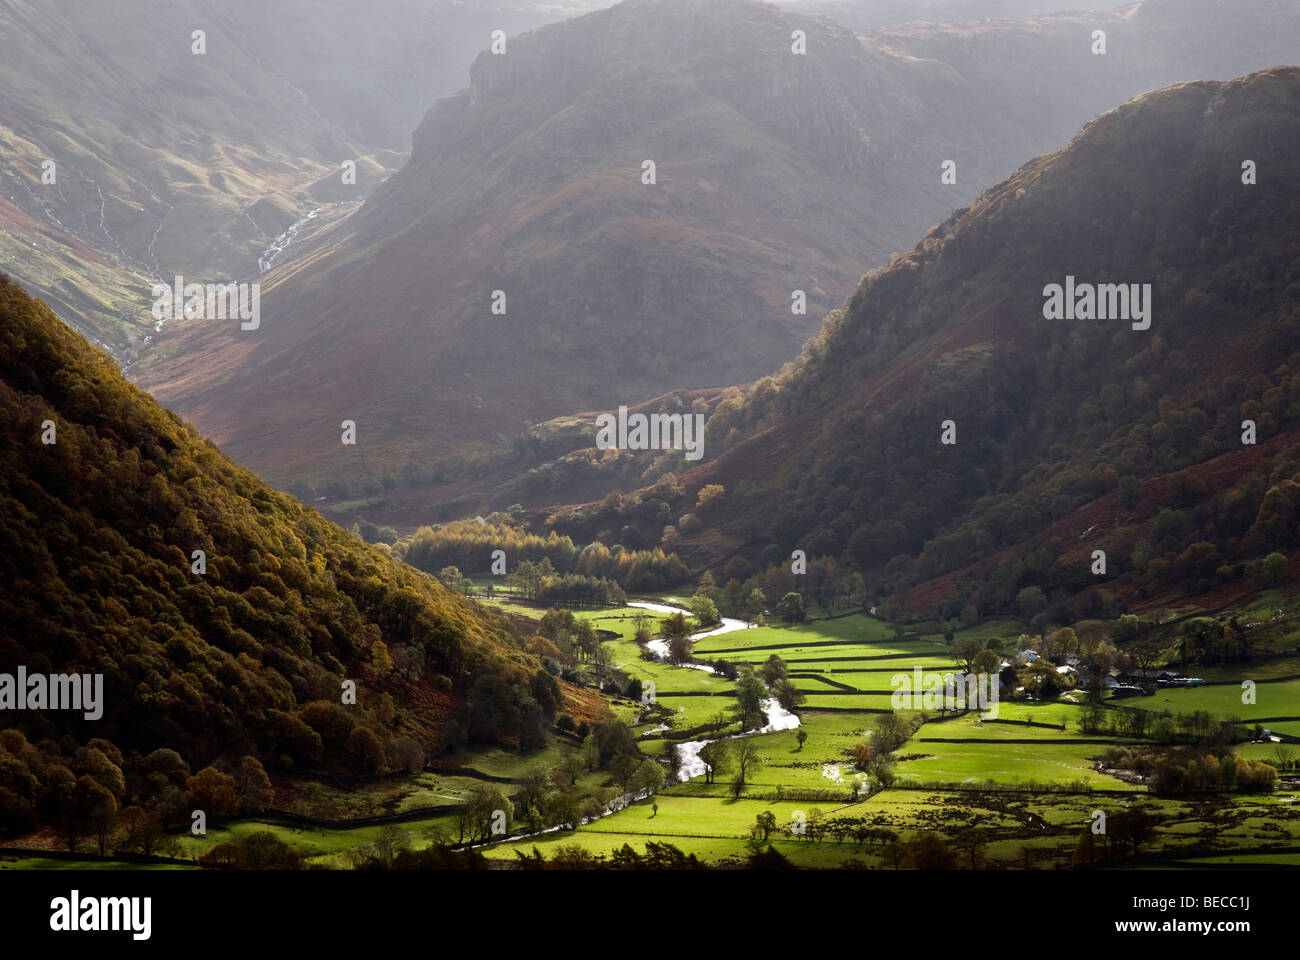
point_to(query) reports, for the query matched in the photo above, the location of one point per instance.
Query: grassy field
(1048, 785)
(1250, 859)
(1277, 698)
(843, 667)
(1021, 829)
(1008, 763)
(52, 863)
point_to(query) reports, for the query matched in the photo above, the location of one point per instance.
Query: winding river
(690, 766)
(778, 718)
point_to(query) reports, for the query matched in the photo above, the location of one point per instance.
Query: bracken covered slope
(1071, 435)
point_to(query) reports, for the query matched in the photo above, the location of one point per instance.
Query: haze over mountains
(776, 173)
(171, 162)
(529, 182)
(865, 15)
(1051, 451)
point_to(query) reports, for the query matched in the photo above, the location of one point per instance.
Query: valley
(520, 185)
(693, 435)
(1019, 791)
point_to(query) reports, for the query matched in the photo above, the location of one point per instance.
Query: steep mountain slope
(776, 173)
(1071, 435)
(530, 183)
(166, 163)
(170, 162)
(247, 657)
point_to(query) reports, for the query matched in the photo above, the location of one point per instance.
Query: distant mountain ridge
(528, 183)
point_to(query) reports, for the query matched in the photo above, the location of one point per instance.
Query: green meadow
(1273, 698)
(1021, 776)
(856, 629)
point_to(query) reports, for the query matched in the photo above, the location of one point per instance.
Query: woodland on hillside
(235, 663)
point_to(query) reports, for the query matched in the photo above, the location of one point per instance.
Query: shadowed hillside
(247, 657)
(1071, 435)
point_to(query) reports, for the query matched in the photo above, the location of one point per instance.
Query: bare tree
(748, 760)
